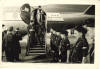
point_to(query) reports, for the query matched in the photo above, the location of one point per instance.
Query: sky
(31, 2)
(5, 3)
(52, 8)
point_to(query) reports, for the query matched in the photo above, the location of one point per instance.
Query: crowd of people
(36, 33)
(10, 44)
(63, 51)
(59, 46)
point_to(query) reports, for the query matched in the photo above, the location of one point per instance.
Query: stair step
(37, 48)
(34, 46)
(39, 43)
(36, 51)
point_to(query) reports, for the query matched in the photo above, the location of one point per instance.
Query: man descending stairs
(36, 42)
(36, 20)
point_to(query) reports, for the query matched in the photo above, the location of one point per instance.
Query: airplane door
(25, 13)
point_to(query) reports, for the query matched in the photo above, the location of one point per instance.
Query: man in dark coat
(4, 32)
(17, 47)
(39, 21)
(9, 44)
(65, 47)
(54, 48)
(31, 33)
(81, 48)
(39, 15)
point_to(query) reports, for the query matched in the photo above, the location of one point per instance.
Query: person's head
(3, 25)
(51, 30)
(65, 33)
(17, 29)
(81, 30)
(10, 28)
(84, 31)
(39, 7)
(54, 32)
(62, 36)
(58, 33)
(32, 23)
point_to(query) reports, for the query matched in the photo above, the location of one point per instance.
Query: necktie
(40, 16)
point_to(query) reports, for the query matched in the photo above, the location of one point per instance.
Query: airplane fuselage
(70, 21)
(57, 21)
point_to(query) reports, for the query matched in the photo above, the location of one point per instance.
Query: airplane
(62, 21)
(55, 20)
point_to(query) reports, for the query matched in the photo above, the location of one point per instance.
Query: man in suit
(39, 21)
(39, 15)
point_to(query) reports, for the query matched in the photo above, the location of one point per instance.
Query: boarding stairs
(37, 49)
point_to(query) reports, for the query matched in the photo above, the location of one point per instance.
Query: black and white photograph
(51, 33)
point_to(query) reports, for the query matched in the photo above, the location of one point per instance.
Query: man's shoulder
(35, 9)
(12, 33)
